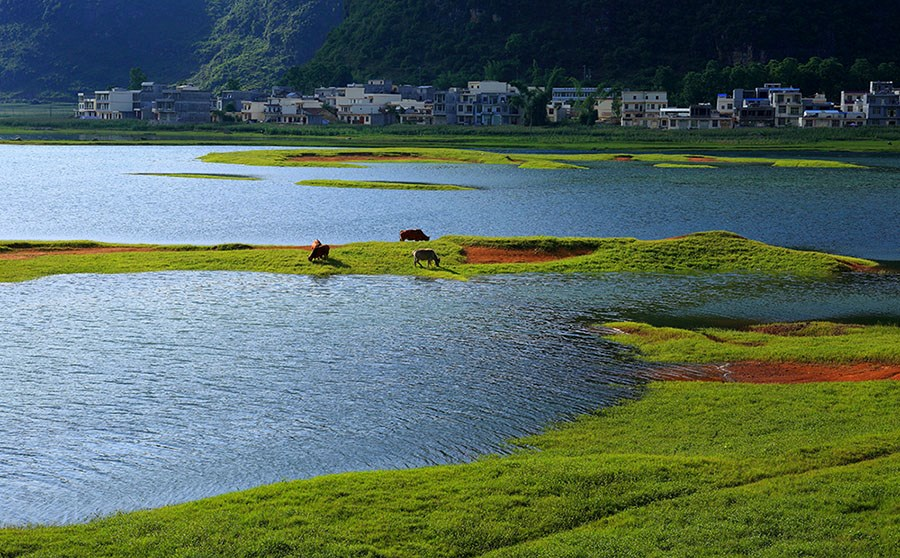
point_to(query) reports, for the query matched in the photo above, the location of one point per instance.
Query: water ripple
(134, 391)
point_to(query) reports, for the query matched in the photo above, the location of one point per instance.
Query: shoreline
(768, 353)
(790, 372)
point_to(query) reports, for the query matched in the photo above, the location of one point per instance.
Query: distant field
(51, 124)
(27, 110)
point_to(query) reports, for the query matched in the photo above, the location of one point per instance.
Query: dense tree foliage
(600, 41)
(254, 41)
(817, 75)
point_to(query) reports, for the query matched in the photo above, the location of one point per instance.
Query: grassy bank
(46, 130)
(699, 252)
(691, 469)
(357, 157)
(814, 342)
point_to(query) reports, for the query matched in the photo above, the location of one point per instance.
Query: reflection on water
(132, 391)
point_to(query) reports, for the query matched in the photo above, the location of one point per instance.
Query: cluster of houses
(493, 103)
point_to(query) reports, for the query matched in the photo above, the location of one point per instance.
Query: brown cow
(319, 251)
(413, 234)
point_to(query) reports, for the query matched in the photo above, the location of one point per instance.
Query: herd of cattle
(320, 251)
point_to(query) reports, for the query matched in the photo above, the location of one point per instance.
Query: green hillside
(53, 48)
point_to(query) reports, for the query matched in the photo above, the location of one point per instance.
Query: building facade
(642, 108)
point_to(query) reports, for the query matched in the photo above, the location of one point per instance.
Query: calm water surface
(131, 391)
(86, 192)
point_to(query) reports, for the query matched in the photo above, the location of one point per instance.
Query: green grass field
(690, 469)
(700, 252)
(38, 124)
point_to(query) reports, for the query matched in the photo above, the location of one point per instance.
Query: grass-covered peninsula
(690, 469)
(716, 251)
(356, 157)
(810, 342)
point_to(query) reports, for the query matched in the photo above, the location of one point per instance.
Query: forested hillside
(51, 46)
(55, 47)
(593, 40)
(255, 40)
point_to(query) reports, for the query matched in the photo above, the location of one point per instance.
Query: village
(494, 103)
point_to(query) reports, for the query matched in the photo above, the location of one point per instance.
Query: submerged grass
(814, 342)
(356, 157)
(683, 166)
(380, 185)
(691, 469)
(716, 251)
(198, 175)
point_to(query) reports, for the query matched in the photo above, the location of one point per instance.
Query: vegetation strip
(197, 175)
(379, 185)
(357, 157)
(129, 132)
(715, 251)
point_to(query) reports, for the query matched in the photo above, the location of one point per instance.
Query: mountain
(255, 40)
(56, 47)
(600, 40)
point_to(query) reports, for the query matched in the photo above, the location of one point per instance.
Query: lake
(132, 391)
(86, 192)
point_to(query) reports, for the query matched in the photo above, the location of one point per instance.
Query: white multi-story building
(832, 119)
(788, 104)
(642, 108)
(697, 117)
(881, 104)
(482, 103)
(114, 104)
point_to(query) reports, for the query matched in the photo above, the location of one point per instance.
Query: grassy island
(210, 176)
(461, 257)
(357, 157)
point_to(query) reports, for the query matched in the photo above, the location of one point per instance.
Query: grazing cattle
(319, 251)
(413, 234)
(427, 256)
